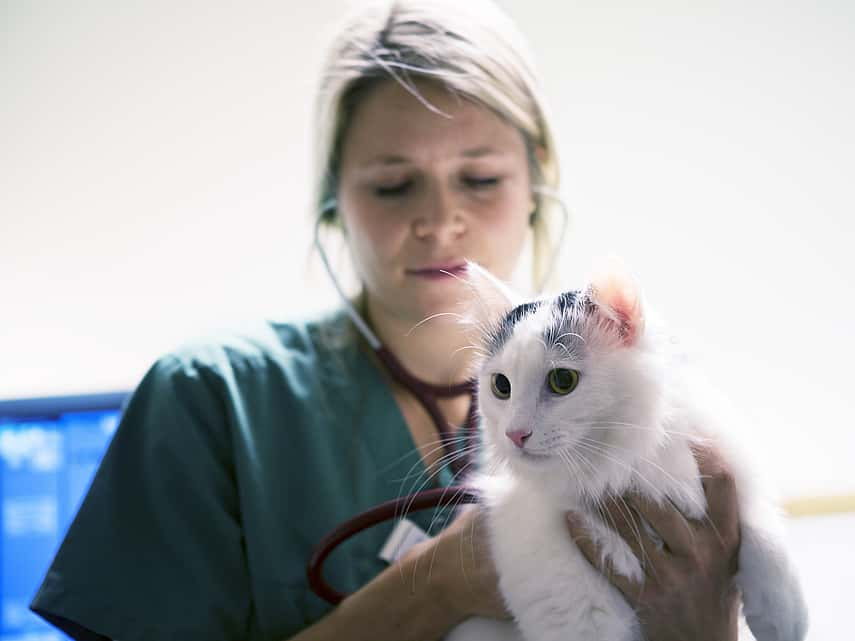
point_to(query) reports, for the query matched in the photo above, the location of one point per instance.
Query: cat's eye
(500, 386)
(562, 381)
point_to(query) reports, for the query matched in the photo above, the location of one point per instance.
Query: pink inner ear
(618, 296)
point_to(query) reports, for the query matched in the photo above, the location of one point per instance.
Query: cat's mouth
(533, 455)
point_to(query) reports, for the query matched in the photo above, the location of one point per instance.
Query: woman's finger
(720, 490)
(628, 524)
(591, 551)
(675, 530)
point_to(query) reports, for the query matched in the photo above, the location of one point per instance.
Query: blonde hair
(470, 47)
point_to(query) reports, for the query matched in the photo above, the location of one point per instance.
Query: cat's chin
(526, 460)
(528, 455)
(545, 471)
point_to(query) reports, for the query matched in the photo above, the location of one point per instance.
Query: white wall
(154, 167)
(821, 549)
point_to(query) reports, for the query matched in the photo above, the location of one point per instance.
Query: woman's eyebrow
(388, 160)
(392, 160)
(479, 152)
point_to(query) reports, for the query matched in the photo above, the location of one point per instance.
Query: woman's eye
(390, 191)
(482, 183)
(500, 386)
(562, 381)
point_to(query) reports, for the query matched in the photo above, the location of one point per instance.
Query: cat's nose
(519, 437)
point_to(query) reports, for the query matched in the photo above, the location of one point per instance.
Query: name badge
(405, 535)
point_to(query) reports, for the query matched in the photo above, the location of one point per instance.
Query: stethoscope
(427, 394)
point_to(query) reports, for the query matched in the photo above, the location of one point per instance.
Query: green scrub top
(233, 458)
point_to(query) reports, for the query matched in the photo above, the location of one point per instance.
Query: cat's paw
(773, 603)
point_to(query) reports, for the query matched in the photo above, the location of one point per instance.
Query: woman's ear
(532, 208)
(328, 214)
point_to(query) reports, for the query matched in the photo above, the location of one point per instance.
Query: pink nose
(519, 437)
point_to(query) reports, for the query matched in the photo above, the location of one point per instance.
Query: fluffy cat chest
(549, 586)
(528, 521)
(526, 527)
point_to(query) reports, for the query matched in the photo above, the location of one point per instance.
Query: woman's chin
(438, 298)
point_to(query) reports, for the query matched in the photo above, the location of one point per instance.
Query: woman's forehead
(391, 126)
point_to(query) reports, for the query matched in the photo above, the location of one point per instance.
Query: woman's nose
(439, 217)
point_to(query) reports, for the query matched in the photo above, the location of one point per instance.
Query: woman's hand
(459, 569)
(436, 585)
(688, 590)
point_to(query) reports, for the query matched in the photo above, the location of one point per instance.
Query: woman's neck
(436, 351)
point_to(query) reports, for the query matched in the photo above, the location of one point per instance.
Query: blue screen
(46, 465)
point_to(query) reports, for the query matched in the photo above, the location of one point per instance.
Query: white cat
(581, 399)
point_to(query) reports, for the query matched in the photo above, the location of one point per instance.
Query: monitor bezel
(53, 406)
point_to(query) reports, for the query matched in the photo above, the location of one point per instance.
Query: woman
(236, 455)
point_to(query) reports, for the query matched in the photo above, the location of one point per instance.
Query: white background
(155, 164)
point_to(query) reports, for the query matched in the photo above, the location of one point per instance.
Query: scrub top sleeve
(156, 550)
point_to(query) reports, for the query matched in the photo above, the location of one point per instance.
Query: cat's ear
(616, 296)
(491, 299)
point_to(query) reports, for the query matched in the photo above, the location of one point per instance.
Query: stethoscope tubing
(433, 498)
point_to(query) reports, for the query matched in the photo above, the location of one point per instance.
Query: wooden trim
(817, 505)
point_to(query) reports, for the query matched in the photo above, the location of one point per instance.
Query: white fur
(639, 410)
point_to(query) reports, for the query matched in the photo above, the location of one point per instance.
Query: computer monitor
(49, 450)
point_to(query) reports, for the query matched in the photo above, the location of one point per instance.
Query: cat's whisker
(442, 462)
(604, 425)
(569, 450)
(462, 471)
(458, 436)
(491, 470)
(573, 334)
(426, 475)
(618, 500)
(433, 519)
(478, 350)
(435, 446)
(430, 476)
(601, 448)
(555, 346)
(458, 493)
(430, 318)
(653, 464)
(635, 526)
(600, 500)
(421, 455)
(568, 457)
(449, 515)
(569, 353)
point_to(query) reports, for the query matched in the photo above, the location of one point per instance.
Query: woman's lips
(439, 272)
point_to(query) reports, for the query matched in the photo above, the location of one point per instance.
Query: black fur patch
(506, 325)
(564, 304)
(566, 300)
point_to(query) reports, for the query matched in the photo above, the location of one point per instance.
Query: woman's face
(421, 192)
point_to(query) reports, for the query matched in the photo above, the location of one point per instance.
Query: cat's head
(570, 387)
